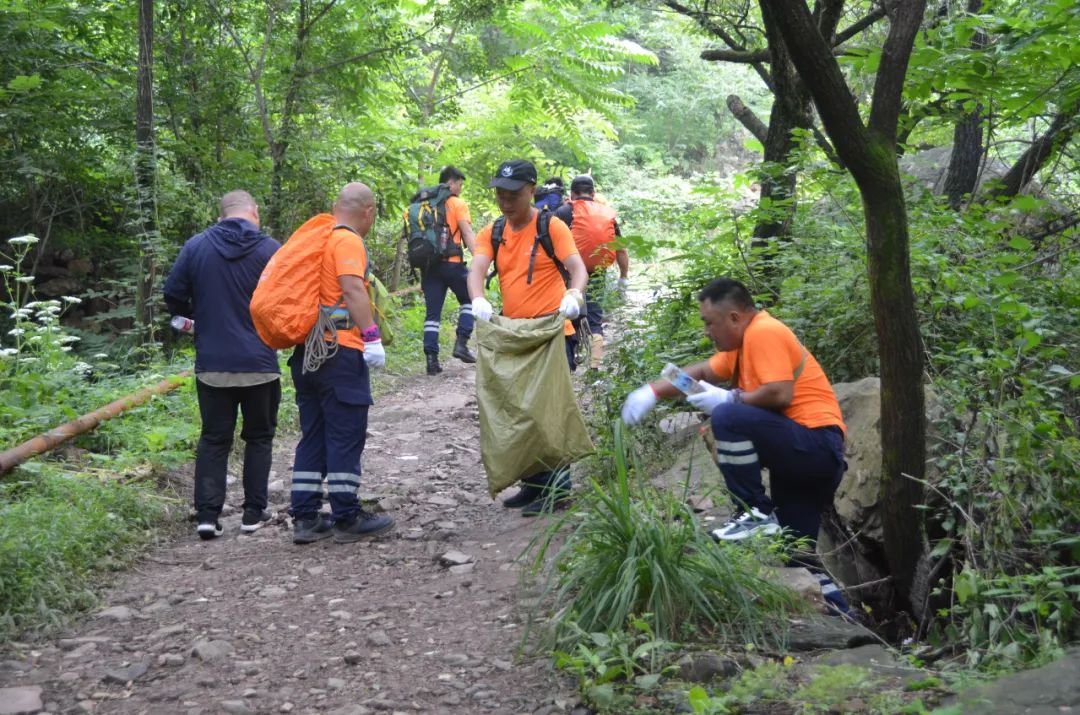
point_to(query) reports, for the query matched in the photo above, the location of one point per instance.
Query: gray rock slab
(455, 558)
(1050, 690)
(121, 676)
(704, 667)
(121, 614)
(827, 633)
(211, 650)
(351, 710)
(876, 658)
(20, 701)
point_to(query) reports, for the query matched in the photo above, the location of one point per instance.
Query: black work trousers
(258, 404)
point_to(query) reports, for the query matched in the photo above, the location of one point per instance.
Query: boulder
(858, 496)
(1051, 689)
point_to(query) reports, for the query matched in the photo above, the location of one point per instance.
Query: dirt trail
(256, 624)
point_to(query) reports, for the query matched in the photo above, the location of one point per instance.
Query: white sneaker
(746, 525)
(209, 530)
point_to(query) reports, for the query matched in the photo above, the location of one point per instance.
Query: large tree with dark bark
(868, 150)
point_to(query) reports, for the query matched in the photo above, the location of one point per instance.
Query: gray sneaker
(312, 529)
(363, 525)
(747, 524)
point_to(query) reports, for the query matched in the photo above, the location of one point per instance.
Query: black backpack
(426, 233)
(543, 239)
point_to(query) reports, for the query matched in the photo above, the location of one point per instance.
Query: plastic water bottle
(182, 324)
(681, 380)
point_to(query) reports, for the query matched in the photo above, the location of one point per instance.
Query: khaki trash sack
(529, 416)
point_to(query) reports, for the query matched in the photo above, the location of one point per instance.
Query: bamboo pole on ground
(57, 436)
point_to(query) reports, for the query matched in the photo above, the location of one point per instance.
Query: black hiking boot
(433, 364)
(527, 494)
(364, 525)
(461, 350)
(310, 530)
(551, 497)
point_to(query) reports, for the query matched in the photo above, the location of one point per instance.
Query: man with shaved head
(333, 400)
(212, 282)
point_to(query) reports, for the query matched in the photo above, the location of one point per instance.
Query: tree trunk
(747, 118)
(145, 173)
(966, 158)
(967, 150)
(869, 152)
(280, 147)
(1064, 125)
(900, 347)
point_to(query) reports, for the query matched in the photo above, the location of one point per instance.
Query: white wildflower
(4, 268)
(8, 352)
(24, 279)
(82, 368)
(68, 339)
(27, 240)
(16, 332)
(65, 349)
(21, 314)
(100, 356)
(34, 339)
(71, 300)
(34, 304)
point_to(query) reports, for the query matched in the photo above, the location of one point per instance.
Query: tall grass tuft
(58, 534)
(631, 550)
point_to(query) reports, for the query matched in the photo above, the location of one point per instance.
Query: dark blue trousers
(594, 295)
(333, 403)
(543, 479)
(805, 465)
(435, 282)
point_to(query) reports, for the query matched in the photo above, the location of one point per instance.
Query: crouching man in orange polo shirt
(533, 284)
(781, 414)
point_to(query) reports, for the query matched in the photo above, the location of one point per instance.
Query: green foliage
(613, 667)
(1010, 619)
(58, 535)
(43, 383)
(818, 689)
(633, 549)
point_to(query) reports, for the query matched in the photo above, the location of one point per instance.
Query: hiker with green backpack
(438, 227)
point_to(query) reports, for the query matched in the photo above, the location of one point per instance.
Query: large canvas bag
(529, 416)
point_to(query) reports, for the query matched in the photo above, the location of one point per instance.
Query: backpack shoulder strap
(543, 239)
(496, 240)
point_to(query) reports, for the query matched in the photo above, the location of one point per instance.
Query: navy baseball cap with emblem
(514, 174)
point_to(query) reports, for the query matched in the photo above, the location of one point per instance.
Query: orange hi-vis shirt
(545, 294)
(345, 255)
(456, 211)
(771, 353)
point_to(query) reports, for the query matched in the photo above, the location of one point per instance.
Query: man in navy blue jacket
(212, 282)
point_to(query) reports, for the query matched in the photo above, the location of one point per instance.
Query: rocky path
(423, 621)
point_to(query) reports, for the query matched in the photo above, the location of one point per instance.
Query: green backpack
(427, 236)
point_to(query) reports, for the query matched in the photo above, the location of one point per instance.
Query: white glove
(638, 404)
(572, 304)
(712, 397)
(375, 354)
(481, 308)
